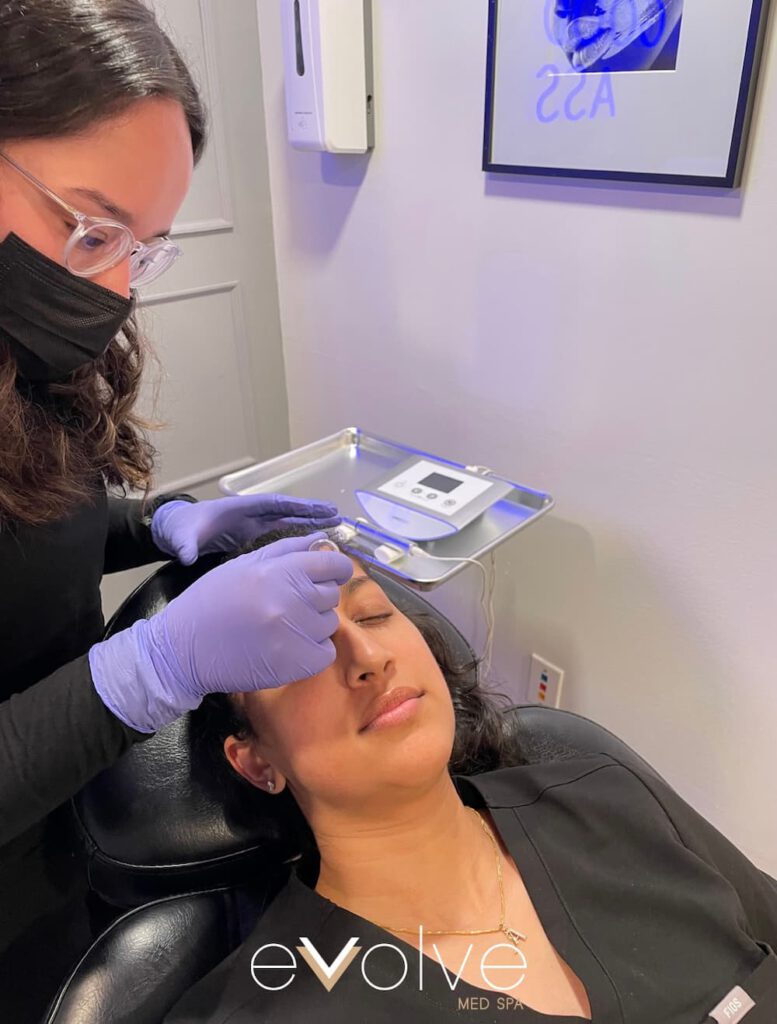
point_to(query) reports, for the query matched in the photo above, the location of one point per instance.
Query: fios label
(732, 1007)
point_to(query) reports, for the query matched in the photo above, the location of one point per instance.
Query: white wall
(612, 345)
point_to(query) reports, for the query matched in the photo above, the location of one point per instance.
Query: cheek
(417, 655)
(440, 718)
(296, 721)
(318, 749)
(117, 279)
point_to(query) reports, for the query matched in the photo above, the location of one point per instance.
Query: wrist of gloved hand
(137, 678)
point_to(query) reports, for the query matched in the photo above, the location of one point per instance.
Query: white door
(213, 319)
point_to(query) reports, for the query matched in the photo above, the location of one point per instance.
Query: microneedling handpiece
(323, 544)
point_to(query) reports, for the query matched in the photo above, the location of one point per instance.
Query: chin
(422, 755)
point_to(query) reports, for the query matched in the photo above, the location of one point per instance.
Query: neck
(425, 861)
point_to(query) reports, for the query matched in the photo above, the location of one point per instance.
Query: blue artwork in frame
(631, 90)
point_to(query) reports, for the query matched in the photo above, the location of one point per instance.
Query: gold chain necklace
(512, 934)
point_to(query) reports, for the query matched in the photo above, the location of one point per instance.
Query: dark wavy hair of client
(481, 742)
(66, 65)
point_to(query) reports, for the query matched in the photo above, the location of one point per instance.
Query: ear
(246, 761)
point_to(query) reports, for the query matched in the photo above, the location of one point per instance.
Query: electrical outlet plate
(545, 682)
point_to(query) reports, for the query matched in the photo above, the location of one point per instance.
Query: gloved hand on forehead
(185, 530)
(261, 620)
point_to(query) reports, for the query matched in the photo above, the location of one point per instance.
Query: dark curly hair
(480, 741)
(65, 65)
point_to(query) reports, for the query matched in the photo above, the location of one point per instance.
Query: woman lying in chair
(453, 880)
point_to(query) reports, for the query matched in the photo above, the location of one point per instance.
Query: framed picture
(635, 90)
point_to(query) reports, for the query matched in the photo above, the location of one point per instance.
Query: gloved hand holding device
(262, 620)
(186, 530)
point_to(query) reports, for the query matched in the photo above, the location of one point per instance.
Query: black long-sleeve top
(655, 911)
(55, 732)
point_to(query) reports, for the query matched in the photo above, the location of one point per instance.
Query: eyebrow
(107, 204)
(355, 582)
(113, 209)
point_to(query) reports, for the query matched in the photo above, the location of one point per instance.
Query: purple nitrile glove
(261, 620)
(186, 530)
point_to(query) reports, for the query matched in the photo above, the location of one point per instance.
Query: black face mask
(53, 321)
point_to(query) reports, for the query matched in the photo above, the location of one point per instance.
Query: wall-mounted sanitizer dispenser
(329, 79)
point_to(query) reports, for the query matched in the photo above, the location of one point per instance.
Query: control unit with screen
(426, 500)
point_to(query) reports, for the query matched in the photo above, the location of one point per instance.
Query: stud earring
(270, 785)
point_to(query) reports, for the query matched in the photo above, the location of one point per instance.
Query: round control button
(449, 502)
(417, 490)
(399, 484)
(431, 495)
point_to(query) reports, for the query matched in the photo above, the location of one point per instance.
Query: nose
(366, 658)
(115, 279)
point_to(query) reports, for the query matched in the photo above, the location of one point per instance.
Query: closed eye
(374, 619)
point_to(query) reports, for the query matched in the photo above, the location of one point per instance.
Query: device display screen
(438, 482)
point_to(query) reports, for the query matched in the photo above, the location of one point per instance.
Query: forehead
(140, 159)
(360, 584)
(148, 162)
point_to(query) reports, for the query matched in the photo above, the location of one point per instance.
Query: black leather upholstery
(153, 830)
(149, 957)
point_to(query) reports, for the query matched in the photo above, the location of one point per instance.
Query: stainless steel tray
(333, 468)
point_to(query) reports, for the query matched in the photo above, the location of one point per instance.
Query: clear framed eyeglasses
(99, 243)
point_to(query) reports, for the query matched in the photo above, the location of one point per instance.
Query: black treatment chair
(182, 879)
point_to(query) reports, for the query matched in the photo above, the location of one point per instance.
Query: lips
(591, 38)
(387, 702)
(587, 41)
